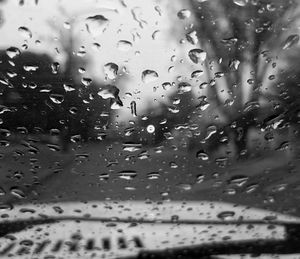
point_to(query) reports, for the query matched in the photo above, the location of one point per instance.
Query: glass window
(162, 125)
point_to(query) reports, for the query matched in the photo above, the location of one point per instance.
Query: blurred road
(107, 171)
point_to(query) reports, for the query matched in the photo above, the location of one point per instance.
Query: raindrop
(184, 14)
(68, 88)
(184, 87)
(56, 98)
(226, 215)
(149, 76)
(30, 68)
(155, 34)
(133, 108)
(96, 46)
(132, 147)
(55, 67)
(124, 45)
(96, 25)
(192, 37)
(238, 180)
(197, 55)
(184, 186)
(291, 41)
(13, 52)
(111, 70)
(166, 86)
(210, 130)
(110, 91)
(127, 174)
(5, 207)
(86, 81)
(234, 64)
(153, 175)
(240, 2)
(25, 32)
(150, 128)
(17, 192)
(197, 74)
(67, 25)
(202, 155)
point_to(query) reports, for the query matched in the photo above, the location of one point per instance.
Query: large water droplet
(133, 108)
(132, 147)
(149, 76)
(17, 192)
(13, 52)
(291, 41)
(192, 37)
(226, 215)
(96, 24)
(30, 68)
(124, 45)
(110, 91)
(210, 130)
(240, 2)
(184, 87)
(184, 14)
(111, 70)
(197, 55)
(202, 155)
(25, 32)
(127, 174)
(56, 98)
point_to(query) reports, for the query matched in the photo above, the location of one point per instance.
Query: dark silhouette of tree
(37, 98)
(242, 40)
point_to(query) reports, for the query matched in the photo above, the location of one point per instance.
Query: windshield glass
(149, 101)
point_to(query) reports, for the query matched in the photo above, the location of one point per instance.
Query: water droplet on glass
(226, 215)
(153, 175)
(184, 87)
(202, 155)
(184, 186)
(133, 108)
(13, 52)
(240, 2)
(111, 70)
(86, 81)
(124, 45)
(25, 32)
(166, 86)
(30, 68)
(155, 34)
(96, 24)
(149, 76)
(56, 98)
(55, 67)
(234, 64)
(17, 192)
(150, 128)
(210, 130)
(127, 174)
(68, 88)
(291, 41)
(197, 55)
(132, 147)
(67, 25)
(197, 74)
(192, 37)
(110, 91)
(184, 14)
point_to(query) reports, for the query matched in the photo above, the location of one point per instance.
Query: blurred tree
(242, 39)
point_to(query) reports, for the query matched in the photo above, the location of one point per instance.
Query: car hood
(114, 229)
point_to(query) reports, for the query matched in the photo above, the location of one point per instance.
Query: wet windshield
(150, 100)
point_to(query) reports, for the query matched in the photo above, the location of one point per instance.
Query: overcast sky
(147, 24)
